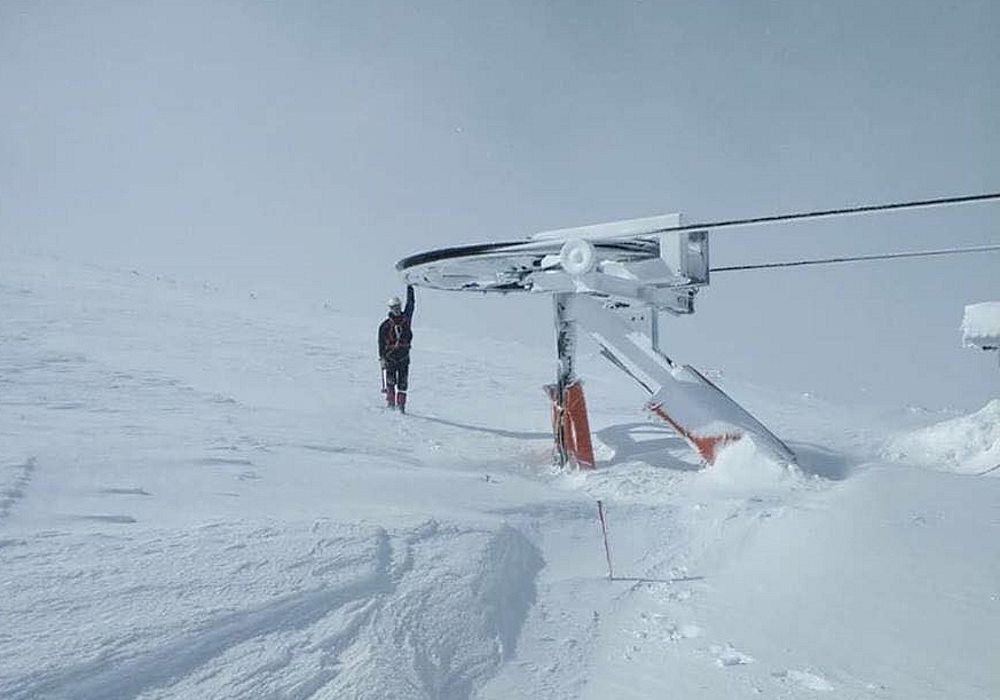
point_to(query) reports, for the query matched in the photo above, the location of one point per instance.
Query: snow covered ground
(200, 497)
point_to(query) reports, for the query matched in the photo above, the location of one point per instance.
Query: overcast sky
(310, 145)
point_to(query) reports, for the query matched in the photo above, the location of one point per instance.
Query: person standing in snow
(394, 338)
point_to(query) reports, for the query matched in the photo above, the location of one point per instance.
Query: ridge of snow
(965, 445)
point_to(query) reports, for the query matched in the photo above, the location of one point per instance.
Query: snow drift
(965, 445)
(230, 612)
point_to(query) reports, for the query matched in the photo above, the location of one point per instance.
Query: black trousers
(397, 374)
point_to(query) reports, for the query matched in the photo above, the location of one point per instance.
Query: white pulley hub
(577, 257)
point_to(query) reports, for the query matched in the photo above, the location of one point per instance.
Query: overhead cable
(866, 209)
(858, 258)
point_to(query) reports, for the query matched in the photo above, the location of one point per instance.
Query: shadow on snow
(645, 442)
(820, 461)
(518, 435)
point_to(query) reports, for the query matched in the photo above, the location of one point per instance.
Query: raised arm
(410, 301)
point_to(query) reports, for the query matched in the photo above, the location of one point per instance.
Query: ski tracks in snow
(428, 612)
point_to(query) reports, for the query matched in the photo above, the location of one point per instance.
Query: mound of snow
(743, 464)
(740, 468)
(966, 445)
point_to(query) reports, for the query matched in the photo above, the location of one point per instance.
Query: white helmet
(394, 303)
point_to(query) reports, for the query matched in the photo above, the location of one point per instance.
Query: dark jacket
(395, 334)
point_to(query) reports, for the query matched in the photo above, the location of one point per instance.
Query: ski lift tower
(612, 281)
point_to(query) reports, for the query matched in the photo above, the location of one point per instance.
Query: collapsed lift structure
(610, 281)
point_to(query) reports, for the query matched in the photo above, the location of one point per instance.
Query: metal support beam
(698, 410)
(566, 337)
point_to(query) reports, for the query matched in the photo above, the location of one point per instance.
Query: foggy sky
(309, 145)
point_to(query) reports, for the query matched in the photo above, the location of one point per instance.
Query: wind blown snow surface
(201, 497)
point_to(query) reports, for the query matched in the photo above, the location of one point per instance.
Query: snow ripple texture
(424, 612)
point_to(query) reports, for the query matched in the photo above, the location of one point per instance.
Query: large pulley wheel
(577, 257)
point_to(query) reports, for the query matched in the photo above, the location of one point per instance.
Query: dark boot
(401, 401)
(390, 396)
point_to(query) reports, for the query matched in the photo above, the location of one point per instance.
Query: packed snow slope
(201, 497)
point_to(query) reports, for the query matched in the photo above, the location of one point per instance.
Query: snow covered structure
(981, 326)
(611, 281)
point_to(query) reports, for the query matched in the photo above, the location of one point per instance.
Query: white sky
(312, 144)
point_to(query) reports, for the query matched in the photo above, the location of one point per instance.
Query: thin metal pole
(607, 547)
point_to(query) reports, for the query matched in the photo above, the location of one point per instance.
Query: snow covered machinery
(981, 326)
(611, 280)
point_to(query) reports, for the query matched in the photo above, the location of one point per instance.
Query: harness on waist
(398, 336)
